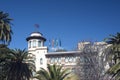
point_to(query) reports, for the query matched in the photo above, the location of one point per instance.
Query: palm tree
(54, 72)
(114, 39)
(115, 55)
(115, 71)
(72, 76)
(4, 50)
(5, 38)
(19, 65)
(5, 28)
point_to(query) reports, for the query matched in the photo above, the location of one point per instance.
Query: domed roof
(36, 35)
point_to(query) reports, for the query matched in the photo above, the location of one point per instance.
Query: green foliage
(18, 65)
(53, 72)
(113, 39)
(115, 55)
(5, 27)
(115, 70)
(3, 57)
(72, 76)
(4, 50)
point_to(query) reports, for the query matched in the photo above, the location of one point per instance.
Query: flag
(59, 42)
(53, 42)
(37, 25)
(56, 42)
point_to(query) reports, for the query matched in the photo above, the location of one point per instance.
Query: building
(67, 59)
(38, 50)
(42, 57)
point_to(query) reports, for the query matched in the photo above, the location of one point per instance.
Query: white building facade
(38, 50)
(68, 59)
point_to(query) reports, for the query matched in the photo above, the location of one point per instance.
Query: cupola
(35, 40)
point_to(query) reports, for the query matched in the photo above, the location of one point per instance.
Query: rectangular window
(29, 44)
(41, 61)
(34, 43)
(39, 43)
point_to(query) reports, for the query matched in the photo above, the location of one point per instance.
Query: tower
(38, 50)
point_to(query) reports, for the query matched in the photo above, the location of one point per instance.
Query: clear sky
(70, 20)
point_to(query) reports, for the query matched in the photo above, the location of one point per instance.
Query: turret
(35, 40)
(38, 50)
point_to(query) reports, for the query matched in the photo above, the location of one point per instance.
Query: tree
(115, 71)
(5, 27)
(19, 65)
(54, 72)
(113, 39)
(91, 64)
(4, 50)
(72, 76)
(5, 38)
(114, 55)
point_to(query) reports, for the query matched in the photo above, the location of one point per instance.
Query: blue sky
(70, 20)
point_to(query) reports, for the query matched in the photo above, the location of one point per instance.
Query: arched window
(39, 43)
(59, 60)
(70, 59)
(34, 43)
(29, 44)
(52, 60)
(41, 61)
(66, 59)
